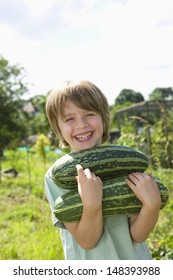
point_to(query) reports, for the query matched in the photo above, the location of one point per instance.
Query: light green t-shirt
(114, 244)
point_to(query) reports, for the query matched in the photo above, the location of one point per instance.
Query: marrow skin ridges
(118, 199)
(107, 162)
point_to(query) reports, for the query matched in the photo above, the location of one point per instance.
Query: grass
(26, 228)
(25, 222)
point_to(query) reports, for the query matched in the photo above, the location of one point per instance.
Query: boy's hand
(145, 188)
(88, 230)
(90, 188)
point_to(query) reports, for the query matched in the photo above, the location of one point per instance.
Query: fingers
(137, 176)
(88, 173)
(84, 173)
(134, 179)
(79, 169)
(80, 172)
(137, 179)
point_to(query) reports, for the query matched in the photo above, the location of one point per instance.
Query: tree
(41, 123)
(12, 88)
(130, 96)
(39, 102)
(161, 94)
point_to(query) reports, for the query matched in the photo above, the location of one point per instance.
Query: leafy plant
(41, 144)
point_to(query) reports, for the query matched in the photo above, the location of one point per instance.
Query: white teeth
(83, 136)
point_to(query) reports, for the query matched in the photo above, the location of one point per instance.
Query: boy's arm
(146, 189)
(88, 230)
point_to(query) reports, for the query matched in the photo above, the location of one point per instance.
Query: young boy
(78, 113)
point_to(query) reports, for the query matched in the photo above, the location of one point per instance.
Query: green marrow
(118, 199)
(107, 162)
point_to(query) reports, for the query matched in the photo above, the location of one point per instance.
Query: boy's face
(81, 129)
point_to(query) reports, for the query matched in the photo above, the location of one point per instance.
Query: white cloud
(39, 8)
(116, 44)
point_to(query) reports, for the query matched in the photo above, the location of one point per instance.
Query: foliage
(161, 239)
(25, 222)
(130, 137)
(113, 114)
(41, 144)
(161, 94)
(16, 123)
(39, 102)
(12, 88)
(129, 95)
(162, 141)
(39, 122)
(153, 138)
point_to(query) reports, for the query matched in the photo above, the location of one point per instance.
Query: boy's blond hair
(83, 94)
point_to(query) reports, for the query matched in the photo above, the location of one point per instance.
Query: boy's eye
(68, 120)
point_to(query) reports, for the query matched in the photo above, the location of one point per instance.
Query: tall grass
(25, 222)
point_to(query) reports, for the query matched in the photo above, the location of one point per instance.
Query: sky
(116, 44)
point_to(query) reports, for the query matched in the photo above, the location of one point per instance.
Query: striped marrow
(107, 162)
(118, 199)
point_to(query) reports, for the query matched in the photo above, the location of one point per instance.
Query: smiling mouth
(84, 136)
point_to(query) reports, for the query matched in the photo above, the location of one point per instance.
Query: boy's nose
(81, 122)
